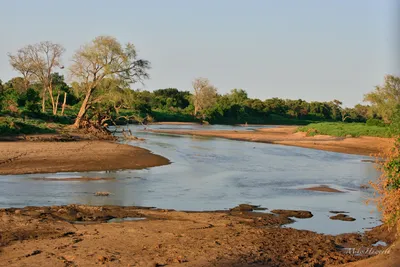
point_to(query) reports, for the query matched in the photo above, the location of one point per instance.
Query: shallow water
(213, 174)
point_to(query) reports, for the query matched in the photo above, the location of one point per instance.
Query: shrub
(32, 101)
(388, 186)
(375, 122)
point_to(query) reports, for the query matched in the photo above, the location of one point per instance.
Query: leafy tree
(105, 58)
(384, 99)
(238, 96)
(171, 97)
(276, 105)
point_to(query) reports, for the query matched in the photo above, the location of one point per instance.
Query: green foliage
(385, 98)
(14, 126)
(30, 100)
(375, 122)
(395, 125)
(164, 115)
(344, 129)
(9, 100)
(170, 97)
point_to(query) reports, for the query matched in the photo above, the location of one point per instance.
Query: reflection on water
(212, 173)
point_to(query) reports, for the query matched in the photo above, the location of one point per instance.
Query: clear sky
(309, 49)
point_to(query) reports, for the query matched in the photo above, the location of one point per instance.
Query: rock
(342, 217)
(35, 252)
(17, 212)
(301, 214)
(62, 211)
(247, 207)
(102, 194)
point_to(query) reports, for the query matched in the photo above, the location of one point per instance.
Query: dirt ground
(287, 136)
(79, 236)
(20, 157)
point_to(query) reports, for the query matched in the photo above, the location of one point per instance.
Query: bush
(9, 100)
(388, 186)
(32, 101)
(375, 122)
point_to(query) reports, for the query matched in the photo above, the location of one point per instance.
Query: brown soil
(288, 136)
(22, 157)
(323, 188)
(52, 236)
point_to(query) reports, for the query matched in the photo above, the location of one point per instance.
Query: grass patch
(343, 129)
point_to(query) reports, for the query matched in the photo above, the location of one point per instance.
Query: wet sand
(22, 157)
(79, 236)
(287, 135)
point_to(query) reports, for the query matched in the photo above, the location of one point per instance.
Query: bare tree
(103, 58)
(22, 63)
(204, 97)
(39, 61)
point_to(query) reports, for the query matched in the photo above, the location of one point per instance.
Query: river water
(217, 174)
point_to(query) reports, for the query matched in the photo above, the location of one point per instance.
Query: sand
(21, 157)
(287, 135)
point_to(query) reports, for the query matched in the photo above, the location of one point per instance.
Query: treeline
(172, 104)
(103, 71)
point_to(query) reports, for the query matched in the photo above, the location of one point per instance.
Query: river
(217, 174)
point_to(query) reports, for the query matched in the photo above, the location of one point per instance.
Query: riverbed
(217, 174)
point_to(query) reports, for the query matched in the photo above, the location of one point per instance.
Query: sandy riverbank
(287, 135)
(50, 236)
(21, 157)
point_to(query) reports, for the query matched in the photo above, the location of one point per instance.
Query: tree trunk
(44, 100)
(83, 109)
(50, 89)
(63, 105)
(56, 104)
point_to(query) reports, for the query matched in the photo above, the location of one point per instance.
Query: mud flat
(22, 157)
(288, 136)
(79, 235)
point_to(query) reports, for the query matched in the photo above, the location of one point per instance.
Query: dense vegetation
(100, 94)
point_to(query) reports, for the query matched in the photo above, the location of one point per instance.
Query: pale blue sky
(309, 49)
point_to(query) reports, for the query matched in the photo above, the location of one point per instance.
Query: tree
(105, 58)
(238, 96)
(386, 98)
(22, 63)
(204, 97)
(38, 61)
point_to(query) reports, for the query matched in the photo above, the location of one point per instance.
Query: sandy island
(23, 157)
(287, 135)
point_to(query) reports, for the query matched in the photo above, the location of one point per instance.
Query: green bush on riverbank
(14, 126)
(342, 129)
